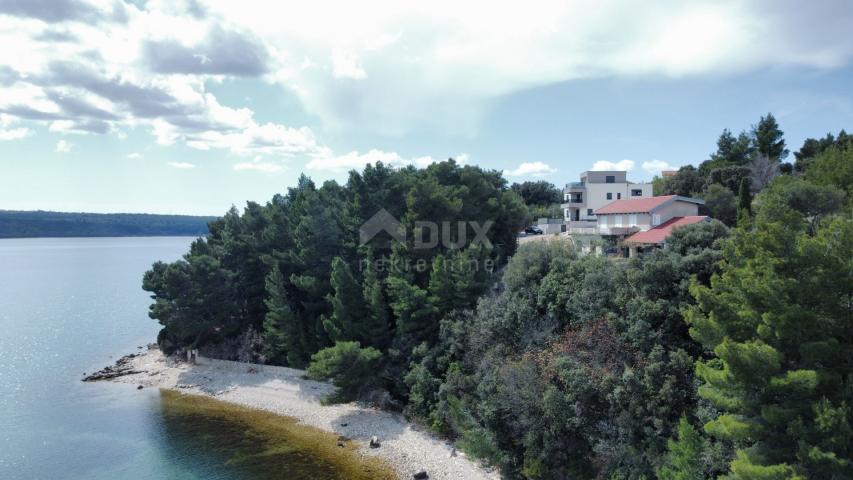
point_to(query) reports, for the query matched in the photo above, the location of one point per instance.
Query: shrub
(351, 368)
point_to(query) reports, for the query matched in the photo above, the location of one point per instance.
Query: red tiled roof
(635, 205)
(660, 233)
(641, 205)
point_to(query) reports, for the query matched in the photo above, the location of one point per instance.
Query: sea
(70, 306)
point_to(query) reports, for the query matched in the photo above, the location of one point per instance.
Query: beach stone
(422, 475)
(122, 367)
(374, 442)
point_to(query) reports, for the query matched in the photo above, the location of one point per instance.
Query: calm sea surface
(69, 306)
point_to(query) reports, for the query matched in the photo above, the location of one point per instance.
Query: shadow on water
(224, 441)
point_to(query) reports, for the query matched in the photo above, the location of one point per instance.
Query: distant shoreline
(46, 224)
(165, 235)
(284, 391)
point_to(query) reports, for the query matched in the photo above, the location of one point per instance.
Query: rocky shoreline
(122, 367)
(412, 453)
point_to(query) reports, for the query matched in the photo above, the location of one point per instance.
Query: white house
(647, 222)
(628, 216)
(595, 190)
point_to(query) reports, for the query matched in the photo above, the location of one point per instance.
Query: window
(566, 197)
(602, 221)
(655, 219)
(619, 196)
(617, 220)
(632, 220)
(589, 212)
(636, 192)
(610, 179)
(609, 196)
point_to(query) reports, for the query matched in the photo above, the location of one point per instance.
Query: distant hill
(18, 224)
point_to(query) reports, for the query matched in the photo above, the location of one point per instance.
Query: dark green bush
(351, 368)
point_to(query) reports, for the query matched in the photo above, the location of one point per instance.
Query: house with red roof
(645, 222)
(657, 235)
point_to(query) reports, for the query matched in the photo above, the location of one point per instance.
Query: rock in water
(422, 475)
(374, 442)
(122, 367)
(139, 387)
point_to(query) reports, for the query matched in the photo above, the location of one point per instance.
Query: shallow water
(69, 306)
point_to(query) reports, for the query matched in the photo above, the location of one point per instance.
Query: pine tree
(283, 333)
(684, 461)
(414, 311)
(769, 139)
(779, 323)
(378, 316)
(744, 207)
(347, 318)
(442, 286)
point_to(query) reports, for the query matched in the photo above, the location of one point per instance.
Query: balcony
(617, 230)
(573, 203)
(575, 186)
(582, 227)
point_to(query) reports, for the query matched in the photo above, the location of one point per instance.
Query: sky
(191, 106)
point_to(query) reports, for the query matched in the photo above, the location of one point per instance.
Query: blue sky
(192, 106)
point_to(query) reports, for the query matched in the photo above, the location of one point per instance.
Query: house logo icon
(381, 221)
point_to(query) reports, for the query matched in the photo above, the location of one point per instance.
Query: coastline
(284, 391)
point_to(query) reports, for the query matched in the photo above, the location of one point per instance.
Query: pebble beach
(285, 391)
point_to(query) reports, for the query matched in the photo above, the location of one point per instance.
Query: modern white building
(596, 189)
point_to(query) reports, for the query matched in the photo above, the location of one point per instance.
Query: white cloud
(626, 165)
(134, 155)
(63, 147)
(345, 65)
(451, 58)
(106, 67)
(355, 160)
(148, 69)
(12, 133)
(181, 165)
(531, 169)
(258, 164)
(656, 166)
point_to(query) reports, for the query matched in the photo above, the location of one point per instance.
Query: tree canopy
(727, 353)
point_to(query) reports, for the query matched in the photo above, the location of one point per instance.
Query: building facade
(647, 222)
(595, 190)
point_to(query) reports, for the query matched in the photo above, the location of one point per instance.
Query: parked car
(533, 230)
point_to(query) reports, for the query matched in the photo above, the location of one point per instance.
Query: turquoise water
(69, 306)
(74, 305)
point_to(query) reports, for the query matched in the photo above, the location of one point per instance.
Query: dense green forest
(727, 354)
(21, 224)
